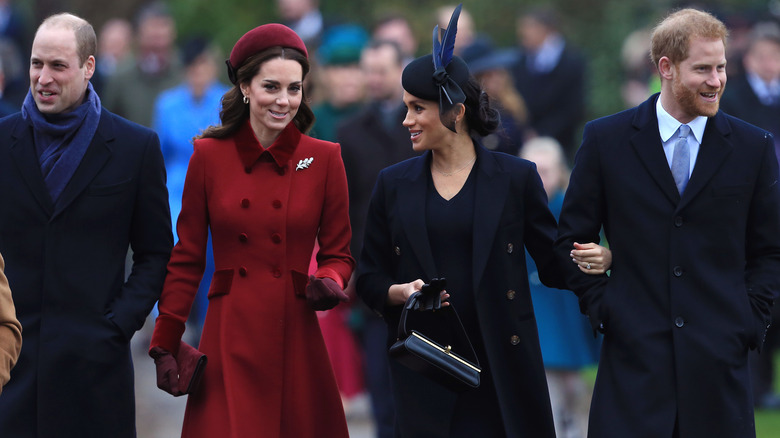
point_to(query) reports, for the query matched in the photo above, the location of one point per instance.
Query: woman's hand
(591, 258)
(397, 294)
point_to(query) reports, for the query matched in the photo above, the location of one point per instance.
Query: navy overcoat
(693, 277)
(66, 264)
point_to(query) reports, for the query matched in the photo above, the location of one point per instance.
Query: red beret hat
(259, 39)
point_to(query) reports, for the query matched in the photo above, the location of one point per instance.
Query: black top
(450, 234)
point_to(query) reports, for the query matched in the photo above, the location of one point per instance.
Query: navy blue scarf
(62, 139)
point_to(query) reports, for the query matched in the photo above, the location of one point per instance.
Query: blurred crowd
(149, 73)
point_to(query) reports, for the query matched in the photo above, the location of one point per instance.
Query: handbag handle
(454, 322)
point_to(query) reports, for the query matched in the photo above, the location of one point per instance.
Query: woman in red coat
(266, 191)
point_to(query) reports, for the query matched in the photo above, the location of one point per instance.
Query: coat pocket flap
(220, 283)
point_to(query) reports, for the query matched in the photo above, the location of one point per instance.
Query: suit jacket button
(679, 321)
(514, 340)
(242, 271)
(277, 273)
(280, 170)
(397, 250)
(510, 294)
(243, 237)
(245, 203)
(677, 271)
(248, 169)
(510, 247)
(276, 237)
(277, 204)
(678, 221)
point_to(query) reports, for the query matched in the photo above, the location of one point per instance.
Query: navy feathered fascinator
(439, 76)
(450, 92)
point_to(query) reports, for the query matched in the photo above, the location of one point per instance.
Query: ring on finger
(587, 266)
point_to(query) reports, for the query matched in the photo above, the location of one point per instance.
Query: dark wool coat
(66, 264)
(693, 277)
(510, 212)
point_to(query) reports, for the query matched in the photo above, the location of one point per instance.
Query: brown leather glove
(324, 293)
(167, 371)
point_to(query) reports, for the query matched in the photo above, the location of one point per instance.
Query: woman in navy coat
(465, 213)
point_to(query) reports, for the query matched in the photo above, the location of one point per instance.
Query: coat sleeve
(540, 232)
(333, 258)
(763, 244)
(151, 241)
(188, 259)
(10, 329)
(376, 266)
(581, 219)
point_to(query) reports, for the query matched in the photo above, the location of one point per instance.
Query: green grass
(767, 422)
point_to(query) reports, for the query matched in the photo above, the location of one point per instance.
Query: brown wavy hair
(235, 112)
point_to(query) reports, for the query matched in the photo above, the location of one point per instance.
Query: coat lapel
(96, 156)
(412, 190)
(647, 144)
(712, 153)
(26, 161)
(492, 187)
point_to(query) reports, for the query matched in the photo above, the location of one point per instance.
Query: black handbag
(430, 358)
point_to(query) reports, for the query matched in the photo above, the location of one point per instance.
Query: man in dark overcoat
(689, 199)
(78, 187)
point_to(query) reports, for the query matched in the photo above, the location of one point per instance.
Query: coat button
(276, 237)
(509, 248)
(679, 321)
(678, 221)
(277, 204)
(243, 237)
(280, 170)
(277, 273)
(397, 250)
(514, 340)
(242, 271)
(677, 271)
(245, 203)
(248, 169)
(510, 294)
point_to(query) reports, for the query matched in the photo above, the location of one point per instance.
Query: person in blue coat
(180, 114)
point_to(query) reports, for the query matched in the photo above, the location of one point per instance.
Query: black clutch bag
(458, 371)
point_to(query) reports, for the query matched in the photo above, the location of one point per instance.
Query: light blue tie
(681, 161)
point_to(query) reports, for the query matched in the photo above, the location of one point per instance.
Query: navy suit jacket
(66, 262)
(511, 212)
(693, 276)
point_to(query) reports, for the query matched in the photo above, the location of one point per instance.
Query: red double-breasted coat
(268, 372)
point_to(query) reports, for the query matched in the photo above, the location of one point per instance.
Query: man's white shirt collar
(668, 125)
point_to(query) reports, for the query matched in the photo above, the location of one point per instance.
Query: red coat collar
(250, 150)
